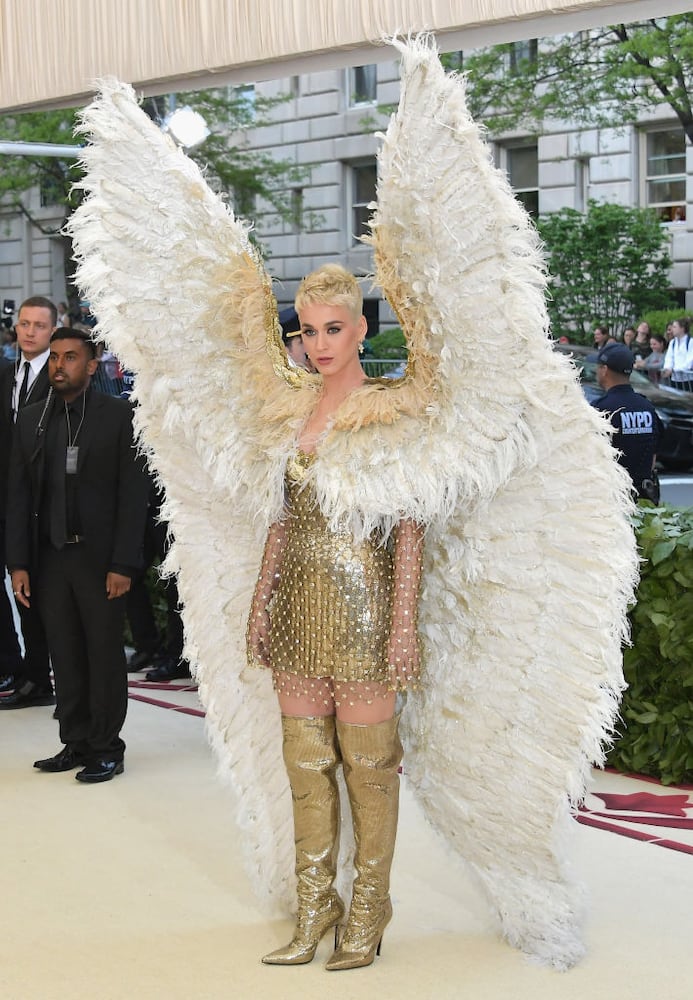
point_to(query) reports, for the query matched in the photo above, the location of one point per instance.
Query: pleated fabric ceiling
(52, 51)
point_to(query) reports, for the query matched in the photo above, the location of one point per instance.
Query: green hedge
(659, 319)
(656, 732)
(388, 344)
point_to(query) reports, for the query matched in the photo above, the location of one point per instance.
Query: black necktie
(56, 491)
(23, 387)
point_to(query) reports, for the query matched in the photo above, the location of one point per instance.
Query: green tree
(232, 168)
(608, 265)
(656, 726)
(601, 77)
(53, 177)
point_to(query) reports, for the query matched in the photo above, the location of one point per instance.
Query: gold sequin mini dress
(330, 614)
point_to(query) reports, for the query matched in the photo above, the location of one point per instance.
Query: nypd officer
(637, 428)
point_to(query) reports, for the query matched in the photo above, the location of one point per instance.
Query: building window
(296, 210)
(453, 62)
(522, 165)
(53, 189)
(582, 183)
(244, 99)
(363, 85)
(665, 173)
(244, 203)
(363, 179)
(522, 55)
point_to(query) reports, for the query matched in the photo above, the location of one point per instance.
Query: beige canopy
(52, 51)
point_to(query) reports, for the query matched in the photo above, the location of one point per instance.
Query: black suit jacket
(39, 391)
(112, 485)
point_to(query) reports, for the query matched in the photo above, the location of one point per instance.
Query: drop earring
(361, 348)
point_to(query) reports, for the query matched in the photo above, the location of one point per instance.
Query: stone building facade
(327, 124)
(31, 257)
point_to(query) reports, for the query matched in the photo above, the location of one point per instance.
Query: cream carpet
(134, 888)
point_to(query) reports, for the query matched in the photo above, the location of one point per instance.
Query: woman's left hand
(403, 655)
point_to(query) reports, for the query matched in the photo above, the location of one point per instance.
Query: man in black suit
(23, 682)
(75, 526)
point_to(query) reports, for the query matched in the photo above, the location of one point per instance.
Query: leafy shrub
(659, 318)
(609, 265)
(656, 734)
(157, 599)
(388, 344)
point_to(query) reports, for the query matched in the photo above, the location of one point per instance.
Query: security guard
(637, 428)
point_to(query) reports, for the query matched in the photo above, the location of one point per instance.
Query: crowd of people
(79, 526)
(666, 358)
(637, 430)
(108, 377)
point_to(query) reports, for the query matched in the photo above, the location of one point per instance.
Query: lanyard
(71, 441)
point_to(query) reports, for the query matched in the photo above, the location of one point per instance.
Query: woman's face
(676, 329)
(331, 337)
(655, 346)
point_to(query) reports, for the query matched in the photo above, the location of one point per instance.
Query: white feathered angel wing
(183, 300)
(527, 582)
(530, 559)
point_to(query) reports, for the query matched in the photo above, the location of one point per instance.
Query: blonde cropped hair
(330, 284)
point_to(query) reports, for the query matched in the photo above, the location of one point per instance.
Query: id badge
(71, 460)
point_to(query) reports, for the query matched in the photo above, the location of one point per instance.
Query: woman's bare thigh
(358, 704)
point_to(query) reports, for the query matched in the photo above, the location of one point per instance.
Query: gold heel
(361, 942)
(371, 757)
(311, 756)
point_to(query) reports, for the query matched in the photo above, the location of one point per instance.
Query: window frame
(663, 207)
(505, 162)
(354, 100)
(524, 51)
(352, 205)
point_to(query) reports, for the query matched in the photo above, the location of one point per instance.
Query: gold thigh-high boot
(311, 756)
(371, 756)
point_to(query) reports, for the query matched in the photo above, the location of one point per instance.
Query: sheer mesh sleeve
(403, 651)
(258, 631)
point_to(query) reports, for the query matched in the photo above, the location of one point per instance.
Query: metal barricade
(379, 367)
(102, 382)
(679, 379)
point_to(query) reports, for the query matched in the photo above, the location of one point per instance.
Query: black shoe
(28, 695)
(100, 770)
(7, 682)
(63, 761)
(169, 670)
(138, 661)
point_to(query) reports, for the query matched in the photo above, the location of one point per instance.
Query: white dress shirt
(35, 366)
(679, 359)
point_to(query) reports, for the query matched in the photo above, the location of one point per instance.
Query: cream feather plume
(528, 581)
(530, 556)
(183, 300)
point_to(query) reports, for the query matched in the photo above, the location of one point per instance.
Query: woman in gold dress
(518, 694)
(336, 621)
